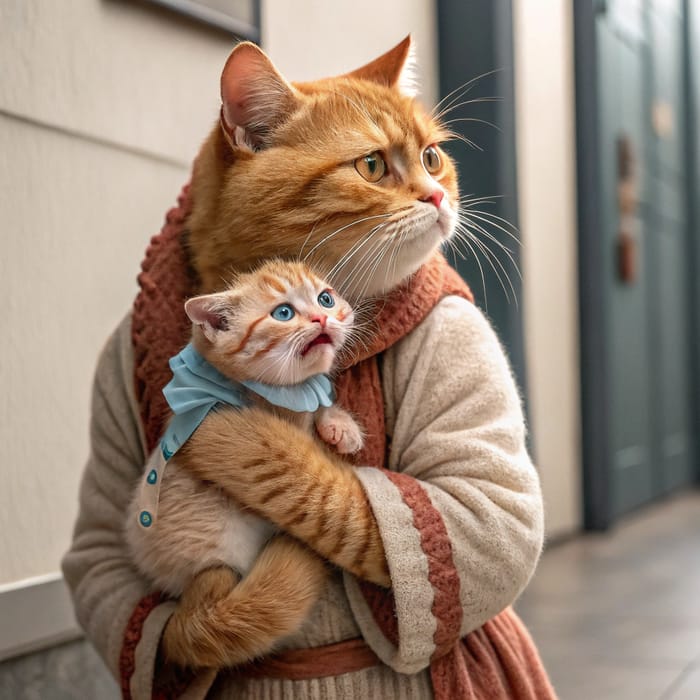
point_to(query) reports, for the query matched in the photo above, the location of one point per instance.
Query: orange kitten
(274, 332)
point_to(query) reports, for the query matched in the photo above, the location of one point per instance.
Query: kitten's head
(346, 173)
(279, 324)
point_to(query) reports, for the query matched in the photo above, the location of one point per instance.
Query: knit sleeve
(459, 509)
(122, 618)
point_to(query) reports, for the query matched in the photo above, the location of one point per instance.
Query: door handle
(627, 201)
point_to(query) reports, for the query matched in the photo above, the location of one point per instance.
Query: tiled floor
(616, 617)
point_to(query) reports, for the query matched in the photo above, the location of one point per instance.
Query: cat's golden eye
(431, 160)
(372, 167)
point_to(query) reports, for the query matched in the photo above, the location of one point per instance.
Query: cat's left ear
(255, 96)
(210, 312)
(396, 68)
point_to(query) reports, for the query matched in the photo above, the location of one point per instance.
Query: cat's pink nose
(321, 318)
(435, 197)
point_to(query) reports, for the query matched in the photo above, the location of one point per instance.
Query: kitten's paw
(344, 434)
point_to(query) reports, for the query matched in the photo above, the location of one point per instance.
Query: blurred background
(584, 169)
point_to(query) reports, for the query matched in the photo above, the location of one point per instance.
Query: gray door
(640, 95)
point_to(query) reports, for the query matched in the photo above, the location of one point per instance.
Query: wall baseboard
(35, 613)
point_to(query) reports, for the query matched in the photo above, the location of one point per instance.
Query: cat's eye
(283, 312)
(431, 160)
(372, 167)
(326, 299)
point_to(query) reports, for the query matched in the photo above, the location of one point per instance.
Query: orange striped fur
(281, 175)
(199, 528)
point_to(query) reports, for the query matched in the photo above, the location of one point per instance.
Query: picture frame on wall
(239, 17)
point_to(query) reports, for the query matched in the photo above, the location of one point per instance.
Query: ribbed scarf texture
(497, 661)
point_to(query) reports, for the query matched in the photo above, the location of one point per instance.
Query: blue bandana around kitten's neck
(197, 386)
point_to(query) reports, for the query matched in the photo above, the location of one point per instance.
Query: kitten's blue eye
(283, 312)
(326, 299)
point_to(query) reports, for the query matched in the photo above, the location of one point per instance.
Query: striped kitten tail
(221, 622)
(310, 493)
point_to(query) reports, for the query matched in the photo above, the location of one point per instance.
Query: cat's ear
(255, 96)
(211, 312)
(396, 68)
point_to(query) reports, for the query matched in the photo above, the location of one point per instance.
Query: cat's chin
(396, 265)
(416, 246)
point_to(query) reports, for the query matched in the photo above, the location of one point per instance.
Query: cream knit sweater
(455, 422)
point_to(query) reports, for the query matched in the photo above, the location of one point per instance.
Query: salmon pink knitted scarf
(497, 661)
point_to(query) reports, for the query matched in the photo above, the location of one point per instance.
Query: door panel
(640, 97)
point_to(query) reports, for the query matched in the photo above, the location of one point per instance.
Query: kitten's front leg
(337, 427)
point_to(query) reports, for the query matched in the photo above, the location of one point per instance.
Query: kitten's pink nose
(321, 318)
(435, 197)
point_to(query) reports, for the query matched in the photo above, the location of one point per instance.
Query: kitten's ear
(210, 312)
(255, 96)
(396, 68)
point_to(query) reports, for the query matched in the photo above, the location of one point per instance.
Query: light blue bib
(195, 389)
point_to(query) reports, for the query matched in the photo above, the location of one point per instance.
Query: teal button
(145, 518)
(152, 476)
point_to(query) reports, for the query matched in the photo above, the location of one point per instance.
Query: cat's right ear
(255, 97)
(209, 312)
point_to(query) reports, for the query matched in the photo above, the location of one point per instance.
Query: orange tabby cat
(346, 173)
(267, 334)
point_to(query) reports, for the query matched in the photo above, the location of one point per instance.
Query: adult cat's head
(346, 173)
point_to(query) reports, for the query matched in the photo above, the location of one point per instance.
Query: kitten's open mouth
(322, 339)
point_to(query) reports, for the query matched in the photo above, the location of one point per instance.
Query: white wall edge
(36, 613)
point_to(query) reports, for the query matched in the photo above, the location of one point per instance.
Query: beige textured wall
(311, 38)
(546, 182)
(103, 104)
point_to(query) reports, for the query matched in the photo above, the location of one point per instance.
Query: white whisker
(326, 238)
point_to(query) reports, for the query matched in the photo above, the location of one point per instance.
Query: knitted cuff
(171, 684)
